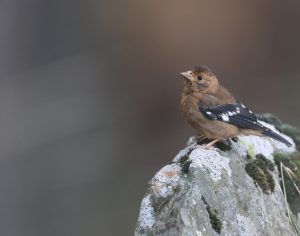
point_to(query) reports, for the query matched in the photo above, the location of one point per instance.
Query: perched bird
(214, 112)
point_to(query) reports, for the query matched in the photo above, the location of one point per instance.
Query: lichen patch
(146, 218)
(212, 161)
(164, 182)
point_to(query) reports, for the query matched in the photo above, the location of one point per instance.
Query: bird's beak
(188, 75)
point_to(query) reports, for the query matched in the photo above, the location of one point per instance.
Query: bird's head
(201, 79)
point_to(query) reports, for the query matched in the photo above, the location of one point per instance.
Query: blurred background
(89, 95)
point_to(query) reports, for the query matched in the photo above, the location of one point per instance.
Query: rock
(229, 189)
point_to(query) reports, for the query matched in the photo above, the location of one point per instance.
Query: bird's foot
(211, 143)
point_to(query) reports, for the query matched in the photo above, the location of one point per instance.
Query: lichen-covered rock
(233, 191)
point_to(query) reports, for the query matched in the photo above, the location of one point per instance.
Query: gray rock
(209, 192)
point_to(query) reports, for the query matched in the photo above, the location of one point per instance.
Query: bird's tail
(275, 136)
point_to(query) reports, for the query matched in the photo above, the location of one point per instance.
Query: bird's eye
(199, 77)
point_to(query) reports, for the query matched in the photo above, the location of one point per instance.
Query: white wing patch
(225, 117)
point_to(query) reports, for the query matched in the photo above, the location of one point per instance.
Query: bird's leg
(211, 143)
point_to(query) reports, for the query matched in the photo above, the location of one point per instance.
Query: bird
(214, 112)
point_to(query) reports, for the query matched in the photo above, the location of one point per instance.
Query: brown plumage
(214, 112)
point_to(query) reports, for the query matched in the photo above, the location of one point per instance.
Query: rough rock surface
(209, 191)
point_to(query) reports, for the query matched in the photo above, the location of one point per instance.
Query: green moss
(183, 159)
(185, 162)
(186, 166)
(224, 145)
(259, 171)
(291, 161)
(176, 189)
(263, 161)
(216, 223)
(295, 159)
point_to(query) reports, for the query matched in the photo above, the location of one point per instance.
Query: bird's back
(224, 96)
(221, 97)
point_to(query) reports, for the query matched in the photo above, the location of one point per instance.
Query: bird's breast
(190, 110)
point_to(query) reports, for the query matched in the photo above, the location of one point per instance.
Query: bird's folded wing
(236, 114)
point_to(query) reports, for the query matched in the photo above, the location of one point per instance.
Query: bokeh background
(89, 94)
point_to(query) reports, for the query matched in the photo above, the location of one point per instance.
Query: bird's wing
(240, 116)
(236, 114)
